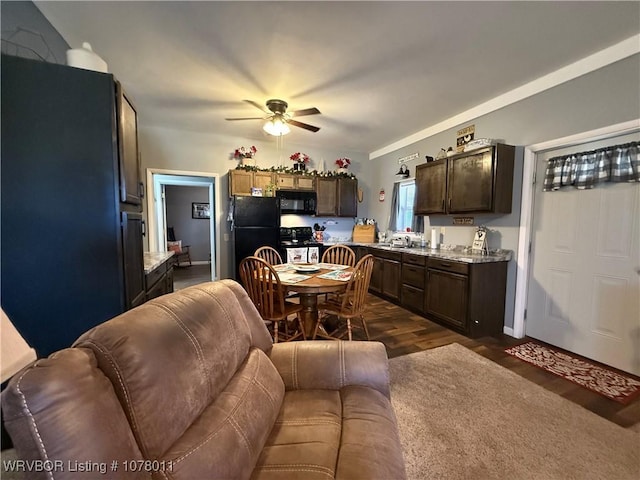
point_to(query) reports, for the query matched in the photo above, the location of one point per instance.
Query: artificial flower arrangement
(242, 153)
(300, 157)
(343, 162)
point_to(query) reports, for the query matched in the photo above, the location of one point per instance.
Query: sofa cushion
(370, 446)
(170, 358)
(345, 434)
(226, 440)
(305, 438)
(64, 410)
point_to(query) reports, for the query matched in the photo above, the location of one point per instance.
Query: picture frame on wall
(200, 210)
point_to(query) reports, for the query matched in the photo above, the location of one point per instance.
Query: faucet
(407, 241)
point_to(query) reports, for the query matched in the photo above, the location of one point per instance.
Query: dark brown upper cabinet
(129, 160)
(337, 197)
(480, 181)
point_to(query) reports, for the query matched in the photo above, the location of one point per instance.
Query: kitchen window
(402, 204)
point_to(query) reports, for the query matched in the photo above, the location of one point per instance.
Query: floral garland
(290, 170)
(300, 157)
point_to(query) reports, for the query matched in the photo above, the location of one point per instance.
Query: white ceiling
(378, 71)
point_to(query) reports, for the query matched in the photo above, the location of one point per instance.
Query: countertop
(153, 260)
(457, 253)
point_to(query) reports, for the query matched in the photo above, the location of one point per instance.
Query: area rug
(462, 416)
(616, 386)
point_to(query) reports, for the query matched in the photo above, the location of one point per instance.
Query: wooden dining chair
(350, 304)
(269, 254)
(340, 255)
(263, 285)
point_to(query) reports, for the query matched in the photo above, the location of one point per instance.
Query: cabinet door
(391, 281)
(431, 185)
(262, 179)
(375, 284)
(470, 183)
(327, 196)
(413, 298)
(132, 252)
(286, 182)
(129, 160)
(347, 197)
(305, 183)
(446, 297)
(240, 182)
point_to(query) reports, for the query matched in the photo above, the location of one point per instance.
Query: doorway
(159, 183)
(577, 257)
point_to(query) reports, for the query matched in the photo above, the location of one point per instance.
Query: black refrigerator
(256, 223)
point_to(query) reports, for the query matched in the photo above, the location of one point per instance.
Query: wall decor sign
(200, 210)
(464, 136)
(463, 220)
(408, 158)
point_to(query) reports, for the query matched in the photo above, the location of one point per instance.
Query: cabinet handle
(445, 264)
(443, 204)
(141, 189)
(449, 203)
(144, 228)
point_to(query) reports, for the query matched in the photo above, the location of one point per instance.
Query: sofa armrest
(331, 365)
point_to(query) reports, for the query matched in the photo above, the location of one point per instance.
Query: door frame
(526, 208)
(185, 178)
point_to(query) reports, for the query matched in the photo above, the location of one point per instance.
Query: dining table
(309, 281)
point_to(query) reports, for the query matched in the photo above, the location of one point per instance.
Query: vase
(341, 170)
(299, 167)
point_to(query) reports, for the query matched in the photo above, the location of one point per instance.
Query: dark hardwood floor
(404, 332)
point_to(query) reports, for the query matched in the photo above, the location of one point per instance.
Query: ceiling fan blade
(306, 111)
(245, 118)
(306, 126)
(258, 106)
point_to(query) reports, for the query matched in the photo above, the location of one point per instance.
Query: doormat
(616, 386)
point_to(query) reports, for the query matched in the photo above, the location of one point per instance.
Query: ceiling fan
(278, 120)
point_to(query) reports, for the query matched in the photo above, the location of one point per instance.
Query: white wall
(192, 231)
(605, 97)
(175, 149)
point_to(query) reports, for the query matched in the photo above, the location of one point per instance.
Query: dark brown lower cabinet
(159, 281)
(413, 281)
(468, 297)
(386, 275)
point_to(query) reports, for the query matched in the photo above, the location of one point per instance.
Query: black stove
(297, 237)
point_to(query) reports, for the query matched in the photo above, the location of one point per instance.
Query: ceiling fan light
(276, 127)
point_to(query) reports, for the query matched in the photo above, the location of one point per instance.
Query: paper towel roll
(434, 238)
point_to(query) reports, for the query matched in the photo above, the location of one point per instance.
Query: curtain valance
(618, 163)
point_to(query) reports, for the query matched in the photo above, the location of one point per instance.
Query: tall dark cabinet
(71, 224)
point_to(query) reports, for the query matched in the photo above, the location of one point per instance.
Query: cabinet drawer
(413, 275)
(414, 259)
(153, 276)
(397, 256)
(412, 298)
(160, 288)
(448, 266)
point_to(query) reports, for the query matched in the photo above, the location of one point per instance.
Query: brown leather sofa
(190, 386)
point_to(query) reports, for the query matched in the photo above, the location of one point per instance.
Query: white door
(584, 284)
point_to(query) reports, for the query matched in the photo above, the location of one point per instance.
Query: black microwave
(299, 203)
